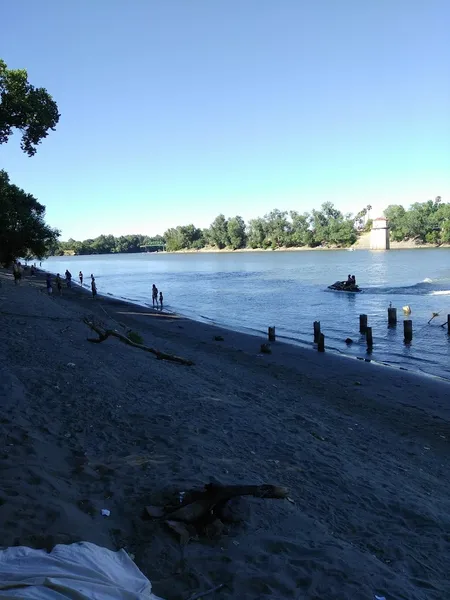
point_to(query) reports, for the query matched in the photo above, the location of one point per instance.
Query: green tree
(32, 111)
(122, 244)
(218, 232)
(423, 221)
(104, 244)
(420, 220)
(442, 223)
(278, 228)
(257, 233)
(184, 237)
(171, 237)
(236, 233)
(341, 232)
(192, 237)
(332, 228)
(23, 231)
(301, 233)
(396, 216)
(22, 106)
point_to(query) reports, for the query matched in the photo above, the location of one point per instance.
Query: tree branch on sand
(104, 334)
(205, 511)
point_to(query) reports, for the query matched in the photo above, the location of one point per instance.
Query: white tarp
(81, 571)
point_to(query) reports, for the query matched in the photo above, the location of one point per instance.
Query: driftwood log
(104, 334)
(202, 510)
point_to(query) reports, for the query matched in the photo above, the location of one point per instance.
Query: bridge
(153, 246)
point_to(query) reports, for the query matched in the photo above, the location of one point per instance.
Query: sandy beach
(363, 450)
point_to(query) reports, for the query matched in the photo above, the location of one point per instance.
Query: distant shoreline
(394, 246)
(214, 250)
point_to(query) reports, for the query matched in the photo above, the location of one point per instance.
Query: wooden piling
(362, 323)
(369, 339)
(407, 331)
(448, 324)
(321, 343)
(316, 331)
(271, 334)
(392, 317)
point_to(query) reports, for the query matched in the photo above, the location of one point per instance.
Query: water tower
(379, 236)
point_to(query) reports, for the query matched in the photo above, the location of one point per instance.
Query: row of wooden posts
(319, 337)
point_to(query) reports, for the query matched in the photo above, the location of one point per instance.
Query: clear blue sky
(173, 111)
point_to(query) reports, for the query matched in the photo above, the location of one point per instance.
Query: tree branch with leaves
(26, 108)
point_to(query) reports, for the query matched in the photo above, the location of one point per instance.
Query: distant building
(379, 236)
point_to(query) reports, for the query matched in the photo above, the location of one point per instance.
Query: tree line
(426, 222)
(109, 244)
(33, 112)
(278, 229)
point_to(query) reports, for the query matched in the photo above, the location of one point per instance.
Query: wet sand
(363, 450)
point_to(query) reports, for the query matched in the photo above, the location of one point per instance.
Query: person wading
(155, 296)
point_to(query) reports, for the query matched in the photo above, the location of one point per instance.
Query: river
(249, 291)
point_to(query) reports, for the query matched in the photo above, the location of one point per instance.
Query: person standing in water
(155, 296)
(161, 299)
(93, 286)
(80, 275)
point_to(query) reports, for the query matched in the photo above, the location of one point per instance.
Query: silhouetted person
(353, 280)
(80, 275)
(161, 300)
(49, 284)
(59, 284)
(16, 272)
(93, 286)
(68, 278)
(155, 295)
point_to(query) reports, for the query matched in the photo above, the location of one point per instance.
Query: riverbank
(363, 450)
(405, 245)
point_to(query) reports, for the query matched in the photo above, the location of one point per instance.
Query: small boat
(343, 286)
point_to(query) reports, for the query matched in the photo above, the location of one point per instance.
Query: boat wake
(423, 288)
